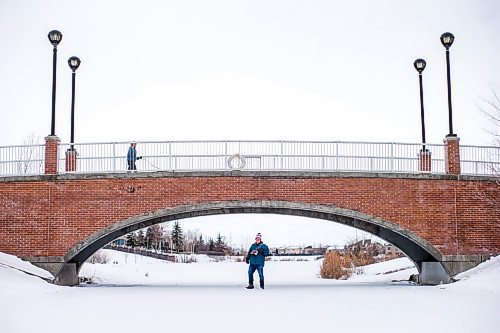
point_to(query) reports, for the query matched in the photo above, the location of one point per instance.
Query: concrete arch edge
(417, 249)
(371, 224)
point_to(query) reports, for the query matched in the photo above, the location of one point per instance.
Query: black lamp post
(74, 63)
(420, 66)
(54, 38)
(447, 39)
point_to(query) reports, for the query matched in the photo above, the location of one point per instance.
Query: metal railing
(249, 155)
(480, 160)
(253, 156)
(22, 160)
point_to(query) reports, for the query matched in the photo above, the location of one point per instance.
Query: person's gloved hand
(247, 261)
(139, 158)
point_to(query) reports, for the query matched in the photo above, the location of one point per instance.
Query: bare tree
(190, 239)
(30, 158)
(98, 257)
(491, 109)
(154, 235)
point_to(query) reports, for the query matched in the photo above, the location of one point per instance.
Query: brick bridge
(443, 222)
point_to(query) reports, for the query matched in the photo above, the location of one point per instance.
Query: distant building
(291, 251)
(120, 241)
(365, 246)
(317, 251)
(392, 251)
(369, 248)
(334, 248)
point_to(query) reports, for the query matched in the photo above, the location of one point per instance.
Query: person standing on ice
(256, 257)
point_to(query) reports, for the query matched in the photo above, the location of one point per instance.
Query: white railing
(22, 160)
(480, 160)
(249, 155)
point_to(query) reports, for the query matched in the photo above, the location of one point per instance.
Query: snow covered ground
(135, 294)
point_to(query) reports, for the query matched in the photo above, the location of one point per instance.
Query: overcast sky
(287, 70)
(306, 70)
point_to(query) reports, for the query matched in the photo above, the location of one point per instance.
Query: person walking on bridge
(256, 258)
(132, 157)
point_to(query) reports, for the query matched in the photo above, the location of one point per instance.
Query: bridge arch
(416, 248)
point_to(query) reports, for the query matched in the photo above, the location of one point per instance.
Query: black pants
(131, 165)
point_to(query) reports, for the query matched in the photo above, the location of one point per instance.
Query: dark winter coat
(132, 154)
(262, 251)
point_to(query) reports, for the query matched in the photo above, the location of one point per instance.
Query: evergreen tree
(211, 246)
(131, 240)
(140, 239)
(200, 245)
(177, 238)
(219, 243)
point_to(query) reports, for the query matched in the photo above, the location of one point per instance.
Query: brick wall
(49, 215)
(51, 154)
(452, 155)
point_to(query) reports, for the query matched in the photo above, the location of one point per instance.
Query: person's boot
(250, 286)
(262, 286)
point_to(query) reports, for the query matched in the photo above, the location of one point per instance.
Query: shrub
(336, 266)
(98, 258)
(186, 259)
(362, 259)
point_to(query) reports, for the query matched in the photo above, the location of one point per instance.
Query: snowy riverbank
(133, 293)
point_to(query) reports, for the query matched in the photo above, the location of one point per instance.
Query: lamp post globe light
(419, 65)
(55, 37)
(447, 40)
(74, 63)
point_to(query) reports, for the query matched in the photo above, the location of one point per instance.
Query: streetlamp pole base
(71, 155)
(424, 159)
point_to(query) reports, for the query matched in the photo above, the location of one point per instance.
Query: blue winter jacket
(262, 251)
(132, 154)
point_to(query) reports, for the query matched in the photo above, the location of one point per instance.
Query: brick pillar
(424, 160)
(51, 154)
(452, 155)
(71, 160)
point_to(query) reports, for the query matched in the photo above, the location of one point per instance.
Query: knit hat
(258, 236)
